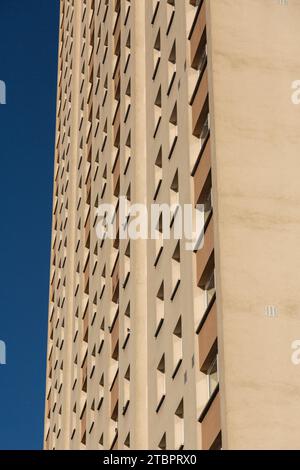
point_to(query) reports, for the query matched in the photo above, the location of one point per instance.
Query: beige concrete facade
(151, 346)
(257, 195)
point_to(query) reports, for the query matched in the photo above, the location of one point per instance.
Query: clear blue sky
(28, 58)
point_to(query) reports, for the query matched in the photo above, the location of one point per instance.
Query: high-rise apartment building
(151, 345)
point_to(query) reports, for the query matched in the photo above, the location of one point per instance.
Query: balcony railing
(205, 130)
(114, 390)
(197, 30)
(203, 60)
(200, 105)
(205, 256)
(210, 420)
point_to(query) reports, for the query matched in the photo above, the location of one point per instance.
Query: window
(126, 326)
(212, 376)
(160, 297)
(158, 173)
(210, 290)
(163, 442)
(126, 260)
(171, 67)
(170, 14)
(156, 54)
(204, 130)
(173, 130)
(126, 391)
(179, 426)
(157, 111)
(208, 206)
(161, 382)
(101, 393)
(175, 267)
(127, 441)
(177, 347)
(155, 10)
(174, 196)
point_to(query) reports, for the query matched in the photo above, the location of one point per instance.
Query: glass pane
(213, 377)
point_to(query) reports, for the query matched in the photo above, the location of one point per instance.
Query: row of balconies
(115, 276)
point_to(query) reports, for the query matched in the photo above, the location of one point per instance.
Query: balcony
(115, 339)
(83, 427)
(179, 433)
(202, 173)
(84, 377)
(87, 222)
(205, 256)
(207, 336)
(197, 31)
(116, 124)
(115, 282)
(116, 176)
(114, 398)
(117, 30)
(200, 105)
(48, 408)
(117, 69)
(115, 445)
(86, 326)
(210, 420)
(116, 127)
(117, 86)
(86, 276)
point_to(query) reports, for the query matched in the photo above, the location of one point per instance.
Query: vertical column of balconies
(101, 365)
(170, 318)
(87, 274)
(122, 186)
(115, 274)
(89, 379)
(83, 213)
(80, 312)
(55, 415)
(205, 260)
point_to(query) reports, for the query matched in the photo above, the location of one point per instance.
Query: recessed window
(173, 131)
(126, 391)
(177, 347)
(160, 298)
(158, 173)
(212, 376)
(163, 442)
(209, 290)
(161, 382)
(127, 441)
(179, 426)
(175, 268)
(171, 67)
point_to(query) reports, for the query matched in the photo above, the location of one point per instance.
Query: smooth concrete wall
(254, 47)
